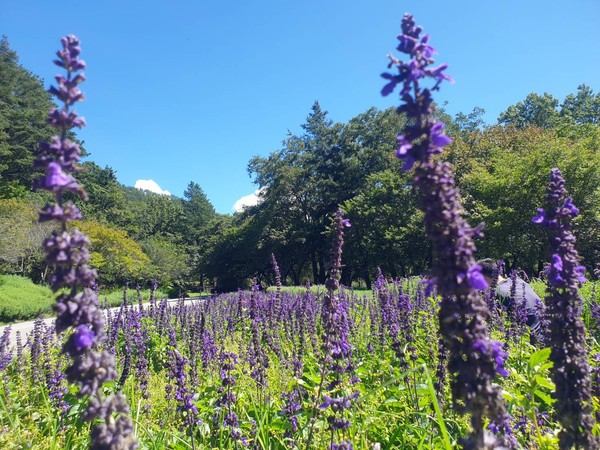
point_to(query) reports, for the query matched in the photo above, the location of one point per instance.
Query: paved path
(27, 327)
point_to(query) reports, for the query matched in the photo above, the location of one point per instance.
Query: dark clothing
(526, 296)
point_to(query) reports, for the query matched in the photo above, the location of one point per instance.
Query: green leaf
(539, 357)
(544, 397)
(544, 382)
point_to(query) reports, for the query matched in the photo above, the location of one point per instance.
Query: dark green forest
(137, 236)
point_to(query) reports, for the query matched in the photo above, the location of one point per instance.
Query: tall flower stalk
(337, 350)
(473, 358)
(571, 372)
(66, 251)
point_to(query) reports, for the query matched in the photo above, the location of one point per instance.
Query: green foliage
(582, 107)
(21, 237)
(469, 123)
(502, 178)
(115, 256)
(543, 111)
(114, 297)
(536, 110)
(387, 230)
(106, 197)
(21, 299)
(24, 104)
(154, 214)
(228, 252)
(169, 263)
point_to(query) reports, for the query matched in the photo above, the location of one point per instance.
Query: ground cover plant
(21, 299)
(432, 362)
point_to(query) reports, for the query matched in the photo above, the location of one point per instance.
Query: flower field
(249, 369)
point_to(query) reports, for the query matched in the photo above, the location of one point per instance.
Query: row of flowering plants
(189, 375)
(417, 363)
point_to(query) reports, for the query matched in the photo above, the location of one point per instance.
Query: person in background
(522, 295)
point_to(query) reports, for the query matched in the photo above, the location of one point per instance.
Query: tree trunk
(367, 279)
(315, 268)
(321, 269)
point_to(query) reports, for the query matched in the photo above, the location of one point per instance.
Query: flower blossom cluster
(474, 360)
(336, 346)
(225, 415)
(571, 372)
(66, 251)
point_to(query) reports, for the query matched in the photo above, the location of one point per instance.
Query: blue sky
(183, 91)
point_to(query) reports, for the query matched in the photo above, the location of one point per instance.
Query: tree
(301, 180)
(504, 184)
(155, 215)
(198, 211)
(21, 237)
(304, 183)
(232, 256)
(536, 110)
(106, 197)
(468, 123)
(387, 228)
(169, 262)
(582, 107)
(116, 257)
(24, 105)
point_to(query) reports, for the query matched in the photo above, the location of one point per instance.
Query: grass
(21, 299)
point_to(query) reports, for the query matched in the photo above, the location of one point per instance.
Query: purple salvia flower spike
(571, 372)
(67, 251)
(473, 358)
(336, 347)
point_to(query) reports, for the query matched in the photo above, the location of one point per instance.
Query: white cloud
(150, 185)
(246, 200)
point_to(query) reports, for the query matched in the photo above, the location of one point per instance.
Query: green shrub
(21, 299)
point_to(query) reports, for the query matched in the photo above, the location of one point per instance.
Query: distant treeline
(501, 171)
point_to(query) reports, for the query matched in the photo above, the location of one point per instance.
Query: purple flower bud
(540, 217)
(58, 181)
(476, 279)
(570, 207)
(67, 212)
(437, 138)
(65, 119)
(84, 338)
(495, 351)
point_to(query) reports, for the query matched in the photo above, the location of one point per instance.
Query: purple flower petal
(476, 279)
(83, 338)
(557, 263)
(540, 217)
(569, 206)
